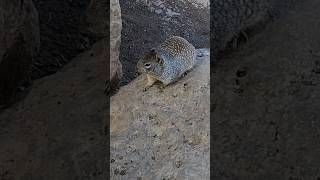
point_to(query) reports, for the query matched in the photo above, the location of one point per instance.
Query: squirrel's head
(150, 63)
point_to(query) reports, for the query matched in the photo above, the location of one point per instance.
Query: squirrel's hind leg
(166, 83)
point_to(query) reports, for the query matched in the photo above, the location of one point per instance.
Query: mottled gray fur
(169, 61)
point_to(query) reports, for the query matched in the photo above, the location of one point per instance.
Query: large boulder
(162, 134)
(56, 131)
(19, 44)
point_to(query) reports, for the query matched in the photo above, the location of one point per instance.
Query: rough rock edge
(115, 64)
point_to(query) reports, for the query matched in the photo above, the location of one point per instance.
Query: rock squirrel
(170, 61)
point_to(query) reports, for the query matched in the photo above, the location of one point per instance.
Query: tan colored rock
(19, 43)
(115, 40)
(156, 135)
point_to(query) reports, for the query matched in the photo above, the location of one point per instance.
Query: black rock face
(62, 35)
(14, 69)
(230, 18)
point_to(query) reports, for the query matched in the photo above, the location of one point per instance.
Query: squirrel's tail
(200, 53)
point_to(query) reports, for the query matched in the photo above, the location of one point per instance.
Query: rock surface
(115, 40)
(266, 102)
(229, 18)
(62, 38)
(57, 132)
(97, 16)
(170, 10)
(157, 135)
(19, 44)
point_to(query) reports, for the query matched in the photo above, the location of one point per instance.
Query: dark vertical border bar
(107, 120)
(211, 88)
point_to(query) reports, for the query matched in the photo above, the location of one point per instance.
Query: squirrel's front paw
(184, 74)
(161, 87)
(145, 88)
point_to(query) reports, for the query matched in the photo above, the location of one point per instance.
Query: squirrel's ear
(159, 59)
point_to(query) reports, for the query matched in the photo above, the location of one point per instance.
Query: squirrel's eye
(147, 65)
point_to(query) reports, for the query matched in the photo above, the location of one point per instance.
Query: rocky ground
(162, 134)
